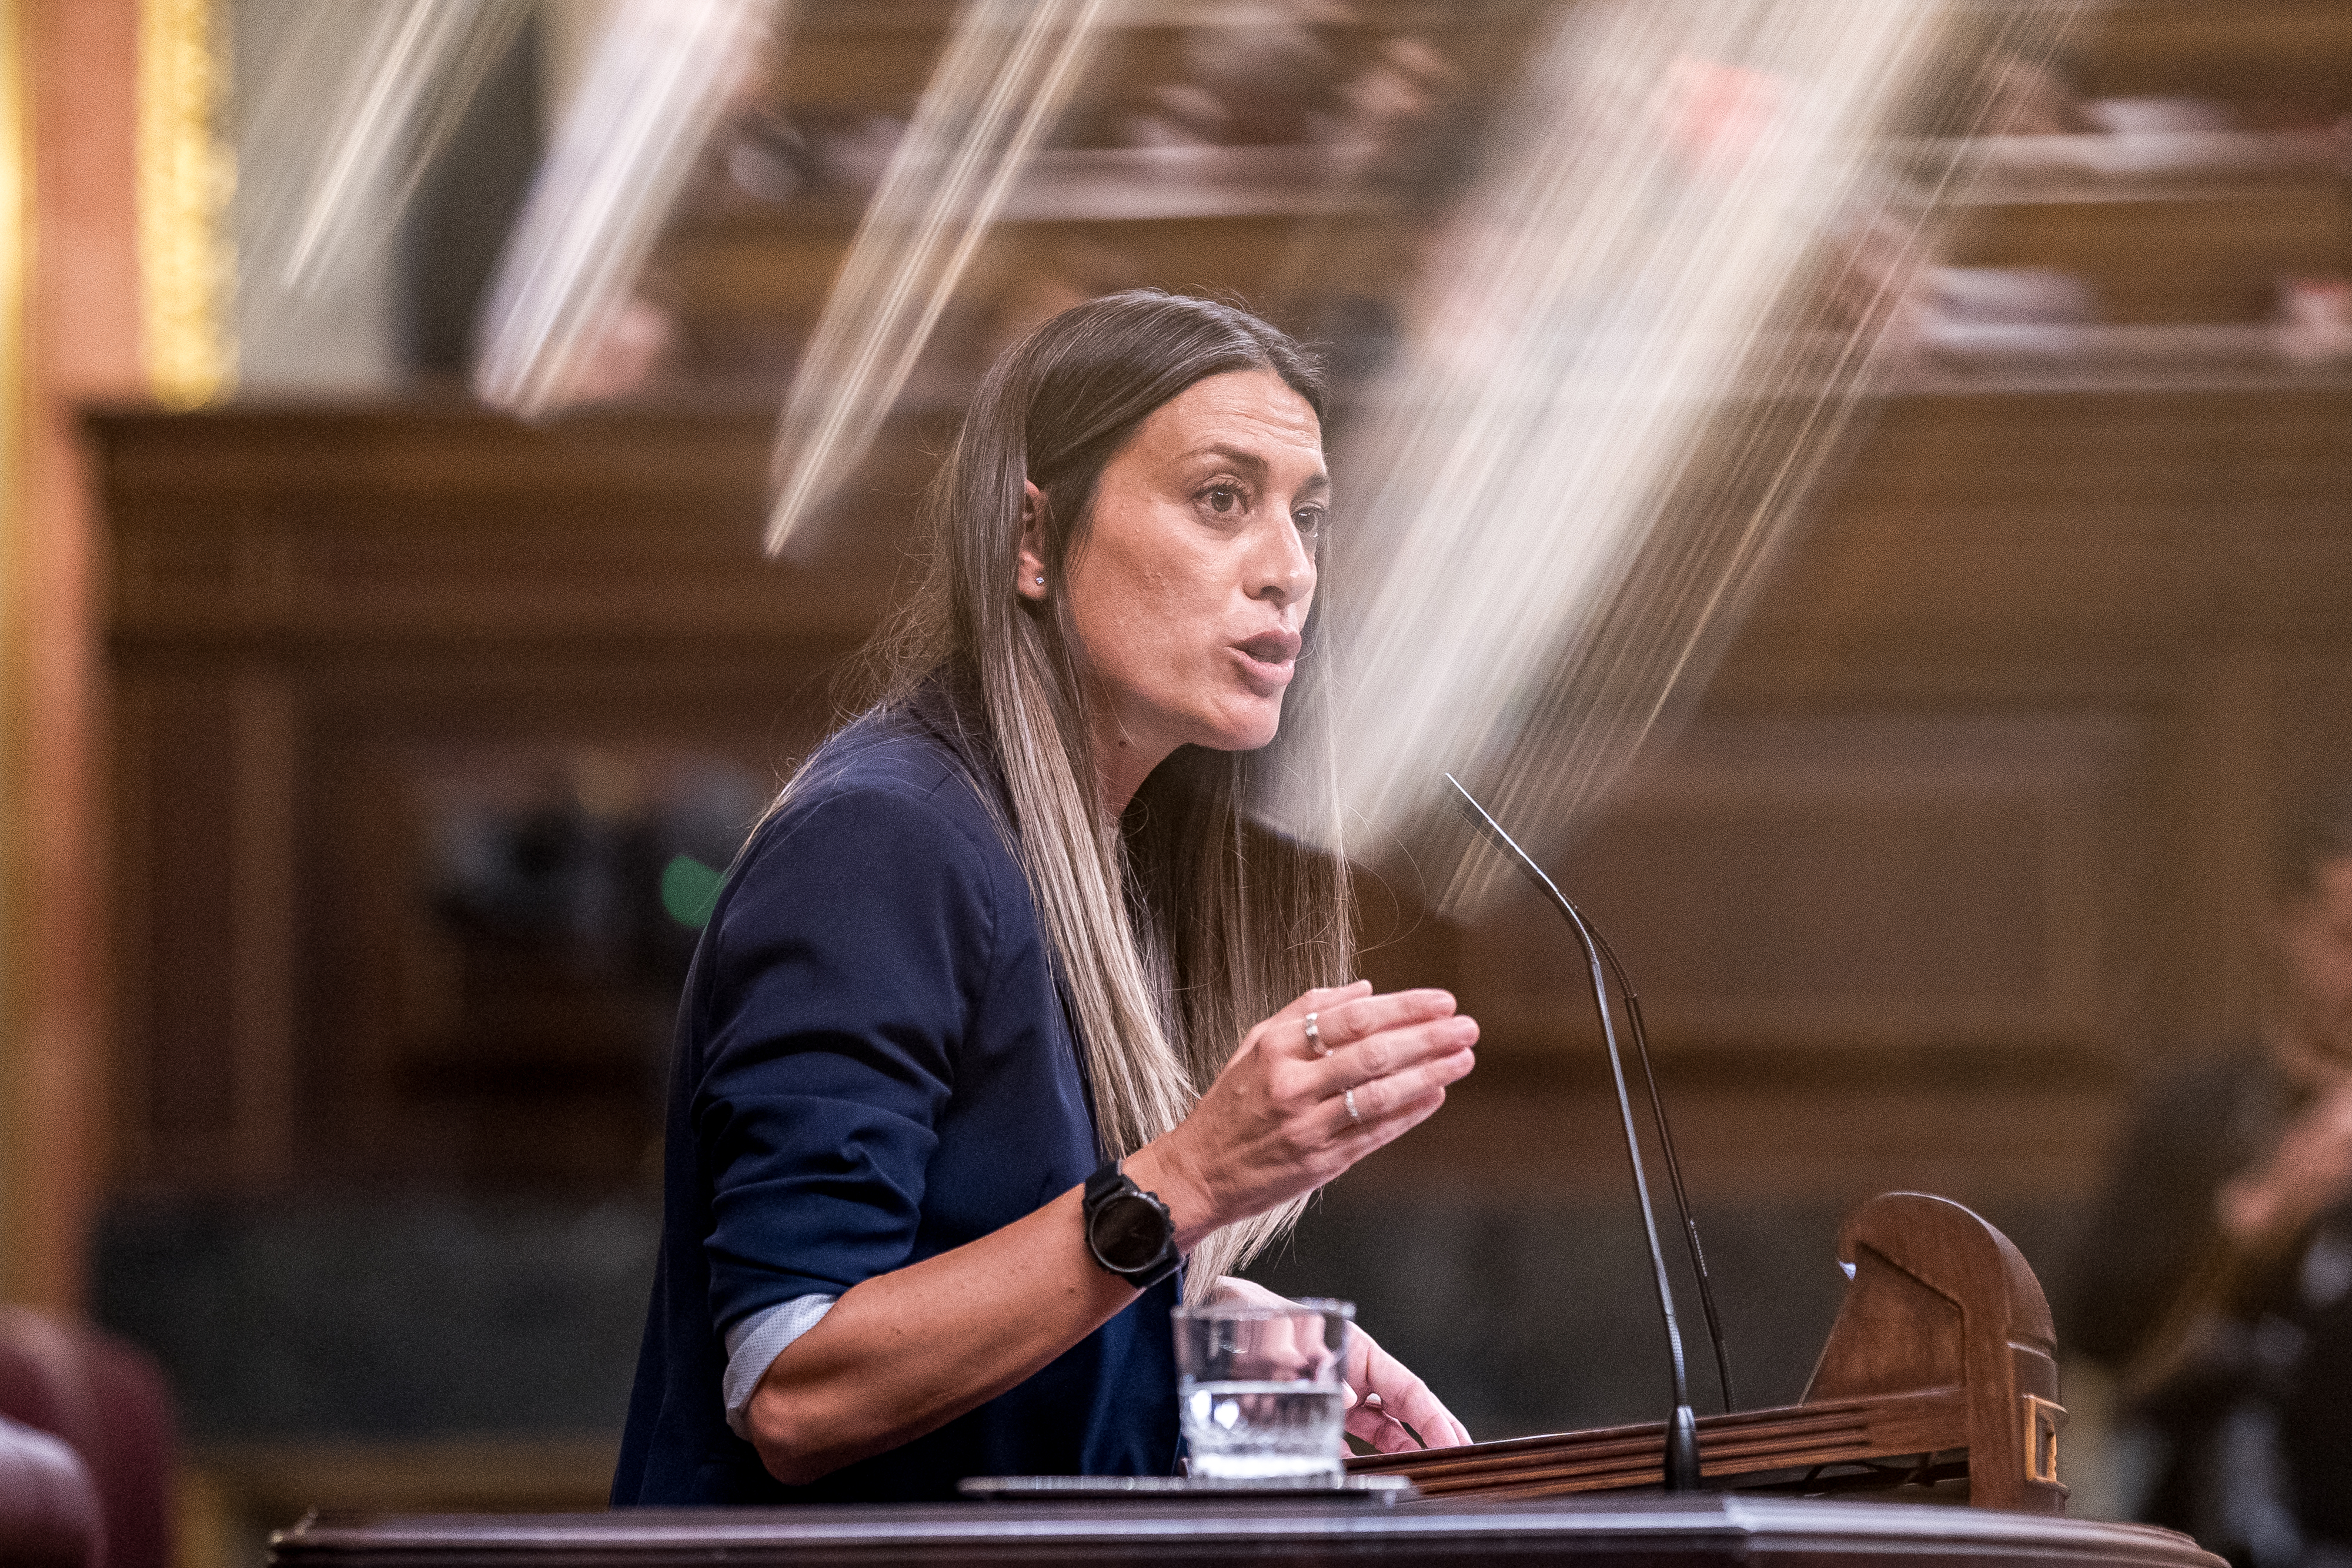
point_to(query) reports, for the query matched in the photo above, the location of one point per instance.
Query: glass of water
(1259, 1388)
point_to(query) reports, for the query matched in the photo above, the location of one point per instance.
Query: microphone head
(1484, 820)
(1480, 818)
(1464, 799)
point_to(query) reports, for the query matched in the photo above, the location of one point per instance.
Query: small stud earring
(1041, 582)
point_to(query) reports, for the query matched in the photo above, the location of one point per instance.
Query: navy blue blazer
(873, 1065)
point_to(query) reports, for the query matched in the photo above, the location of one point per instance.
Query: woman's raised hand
(1314, 1089)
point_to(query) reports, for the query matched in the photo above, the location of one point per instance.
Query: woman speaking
(1007, 1025)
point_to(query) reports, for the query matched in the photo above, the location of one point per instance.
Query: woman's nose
(1282, 569)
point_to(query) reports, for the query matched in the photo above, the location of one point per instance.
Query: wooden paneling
(342, 529)
(2095, 535)
(2265, 49)
(2223, 254)
(1986, 782)
(310, 613)
(1851, 881)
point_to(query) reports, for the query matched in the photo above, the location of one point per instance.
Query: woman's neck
(1119, 771)
(1123, 755)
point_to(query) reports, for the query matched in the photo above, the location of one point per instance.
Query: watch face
(1127, 1231)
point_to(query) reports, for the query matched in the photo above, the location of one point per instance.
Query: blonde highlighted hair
(1178, 927)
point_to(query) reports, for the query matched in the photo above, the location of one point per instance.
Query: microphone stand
(1682, 1463)
(1673, 1167)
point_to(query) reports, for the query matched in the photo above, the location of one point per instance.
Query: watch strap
(1110, 1182)
(1105, 1181)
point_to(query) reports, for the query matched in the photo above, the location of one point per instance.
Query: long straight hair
(1179, 925)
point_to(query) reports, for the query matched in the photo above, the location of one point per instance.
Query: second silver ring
(1314, 1038)
(1348, 1098)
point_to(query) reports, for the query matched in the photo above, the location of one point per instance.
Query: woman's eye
(1222, 498)
(1309, 519)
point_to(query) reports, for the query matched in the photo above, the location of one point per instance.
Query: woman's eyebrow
(1239, 457)
(1243, 458)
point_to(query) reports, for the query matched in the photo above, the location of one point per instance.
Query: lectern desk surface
(1705, 1530)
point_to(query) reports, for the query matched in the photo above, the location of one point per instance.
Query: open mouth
(1270, 658)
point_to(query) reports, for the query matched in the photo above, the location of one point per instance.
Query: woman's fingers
(1296, 1031)
(1403, 1400)
(1373, 1421)
(1321, 999)
(1369, 1420)
(1282, 1119)
(1428, 1064)
(1246, 1292)
(1418, 1029)
(1351, 1140)
(1304, 1028)
(1400, 1094)
(1416, 1046)
(1395, 1049)
(1358, 1015)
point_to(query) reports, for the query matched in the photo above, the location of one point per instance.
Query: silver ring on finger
(1314, 1038)
(1348, 1098)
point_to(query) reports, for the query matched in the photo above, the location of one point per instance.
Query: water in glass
(1243, 1430)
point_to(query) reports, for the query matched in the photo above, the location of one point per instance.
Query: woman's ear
(1031, 584)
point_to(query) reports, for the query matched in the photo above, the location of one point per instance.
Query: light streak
(656, 90)
(1619, 395)
(401, 81)
(1005, 74)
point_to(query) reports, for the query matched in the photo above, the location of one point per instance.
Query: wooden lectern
(1702, 1531)
(1937, 1366)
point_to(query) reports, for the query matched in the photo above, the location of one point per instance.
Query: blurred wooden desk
(1651, 1532)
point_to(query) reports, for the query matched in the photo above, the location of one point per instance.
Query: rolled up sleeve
(849, 947)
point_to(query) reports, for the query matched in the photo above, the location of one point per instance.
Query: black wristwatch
(1128, 1231)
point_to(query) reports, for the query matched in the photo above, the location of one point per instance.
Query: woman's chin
(1247, 730)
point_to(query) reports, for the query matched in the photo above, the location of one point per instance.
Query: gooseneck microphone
(1682, 1463)
(1674, 1167)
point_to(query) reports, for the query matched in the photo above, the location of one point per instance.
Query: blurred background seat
(108, 1404)
(49, 1510)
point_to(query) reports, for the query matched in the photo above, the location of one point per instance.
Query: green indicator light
(689, 891)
